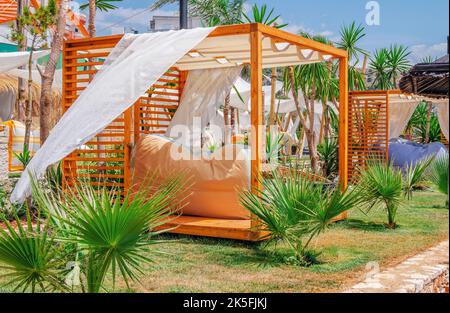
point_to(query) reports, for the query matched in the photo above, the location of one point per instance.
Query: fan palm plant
(295, 210)
(381, 186)
(106, 232)
(28, 255)
(414, 174)
(439, 174)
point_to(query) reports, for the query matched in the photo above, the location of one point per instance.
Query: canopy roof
(229, 46)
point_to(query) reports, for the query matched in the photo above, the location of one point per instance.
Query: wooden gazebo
(257, 45)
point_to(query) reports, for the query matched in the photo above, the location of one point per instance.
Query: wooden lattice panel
(153, 112)
(367, 129)
(105, 160)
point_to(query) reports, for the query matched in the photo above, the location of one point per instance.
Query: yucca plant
(102, 230)
(328, 152)
(274, 146)
(414, 174)
(439, 174)
(294, 210)
(381, 186)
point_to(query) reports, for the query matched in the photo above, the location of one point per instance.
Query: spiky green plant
(439, 174)
(381, 186)
(328, 152)
(29, 257)
(414, 175)
(105, 231)
(294, 210)
(274, 146)
(261, 15)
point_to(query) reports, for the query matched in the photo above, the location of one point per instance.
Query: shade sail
(13, 60)
(136, 63)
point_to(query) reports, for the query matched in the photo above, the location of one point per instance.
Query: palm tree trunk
(92, 12)
(309, 130)
(49, 73)
(427, 128)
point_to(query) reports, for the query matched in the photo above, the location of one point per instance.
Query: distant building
(164, 23)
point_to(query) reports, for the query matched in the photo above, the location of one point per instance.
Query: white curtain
(442, 113)
(57, 80)
(7, 101)
(12, 60)
(204, 92)
(400, 112)
(136, 63)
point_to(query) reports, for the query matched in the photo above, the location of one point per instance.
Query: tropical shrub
(414, 175)
(328, 152)
(438, 174)
(99, 231)
(274, 146)
(381, 186)
(295, 210)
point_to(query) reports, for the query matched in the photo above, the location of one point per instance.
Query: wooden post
(256, 106)
(343, 121)
(257, 111)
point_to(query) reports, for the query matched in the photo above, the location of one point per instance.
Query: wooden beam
(343, 121)
(297, 40)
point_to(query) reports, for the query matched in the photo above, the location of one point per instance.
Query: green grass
(193, 264)
(211, 265)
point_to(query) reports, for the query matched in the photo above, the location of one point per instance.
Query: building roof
(428, 79)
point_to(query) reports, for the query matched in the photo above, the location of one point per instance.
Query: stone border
(426, 272)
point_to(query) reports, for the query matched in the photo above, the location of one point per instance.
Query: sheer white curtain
(203, 94)
(400, 112)
(136, 63)
(442, 113)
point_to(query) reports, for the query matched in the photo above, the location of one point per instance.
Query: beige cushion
(216, 181)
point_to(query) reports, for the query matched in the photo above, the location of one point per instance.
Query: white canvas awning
(13, 60)
(136, 63)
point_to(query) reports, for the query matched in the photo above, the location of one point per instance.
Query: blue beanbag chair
(403, 152)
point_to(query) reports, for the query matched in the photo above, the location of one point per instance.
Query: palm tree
(212, 12)
(380, 69)
(93, 5)
(261, 15)
(314, 82)
(398, 62)
(351, 35)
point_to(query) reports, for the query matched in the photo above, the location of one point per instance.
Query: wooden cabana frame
(253, 44)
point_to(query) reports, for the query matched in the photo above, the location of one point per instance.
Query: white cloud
(418, 52)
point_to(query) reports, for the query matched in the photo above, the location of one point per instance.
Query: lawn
(192, 264)
(208, 265)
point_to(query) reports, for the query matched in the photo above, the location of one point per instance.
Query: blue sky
(421, 25)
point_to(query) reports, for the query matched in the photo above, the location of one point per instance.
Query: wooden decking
(213, 227)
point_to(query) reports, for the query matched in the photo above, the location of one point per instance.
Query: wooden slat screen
(105, 160)
(368, 129)
(153, 112)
